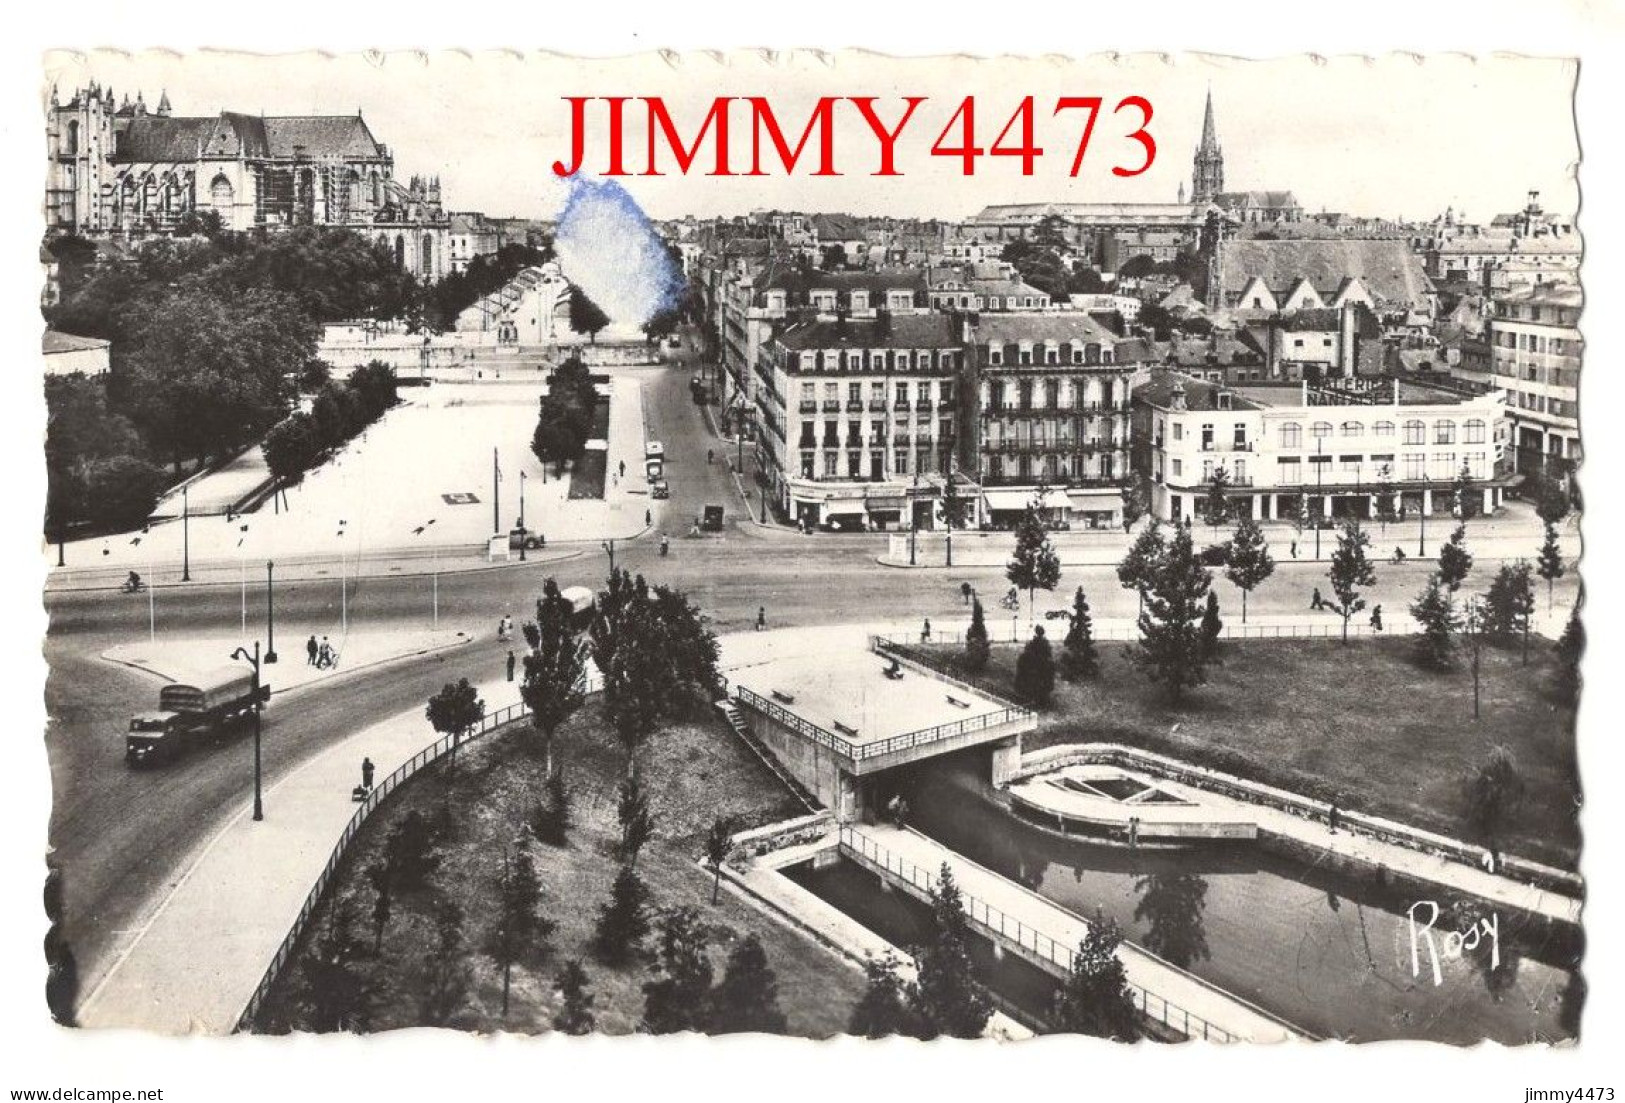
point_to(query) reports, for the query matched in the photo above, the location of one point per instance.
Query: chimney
(1176, 401)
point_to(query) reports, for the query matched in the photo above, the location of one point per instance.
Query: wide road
(120, 836)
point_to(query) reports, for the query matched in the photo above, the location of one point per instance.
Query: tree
(1385, 497)
(1172, 905)
(623, 919)
(747, 997)
(637, 824)
(1034, 566)
(1494, 792)
(977, 648)
(1136, 500)
(445, 977)
(455, 711)
(677, 998)
(575, 1015)
(551, 824)
(521, 933)
(834, 257)
(719, 845)
(1035, 670)
(1216, 500)
(1212, 627)
(1139, 563)
(292, 447)
(887, 1005)
(1461, 489)
(1551, 499)
(585, 315)
(410, 852)
(1509, 605)
(1248, 560)
(377, 875)
(948, 996)
(1435, 612)
(1570, 649)
(120, 491)
(1095, 998)
(555, 669)
(1455, 562)
(1170, 648)
(1550, 563)
(1078, 657)
(1350, 570)
(336, 993)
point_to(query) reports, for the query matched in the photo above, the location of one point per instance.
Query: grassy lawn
(694, 772)
(587, 474)
(1361, 723)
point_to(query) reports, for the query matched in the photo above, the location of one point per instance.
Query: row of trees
(948, 998)
(339, 413)
(564, 419)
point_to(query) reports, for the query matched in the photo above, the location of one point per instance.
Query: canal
(1327, 951)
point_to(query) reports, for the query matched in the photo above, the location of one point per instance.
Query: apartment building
(1535, 349)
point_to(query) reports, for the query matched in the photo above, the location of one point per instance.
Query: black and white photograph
(818, 543)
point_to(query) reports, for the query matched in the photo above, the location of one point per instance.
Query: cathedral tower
(1207, 181)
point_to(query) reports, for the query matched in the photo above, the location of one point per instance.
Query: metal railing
(1040, 945)
(856, 750)
(430, 754)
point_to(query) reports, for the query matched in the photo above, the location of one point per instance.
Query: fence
(1122, 632)
(1148, 1003)
(383, 789)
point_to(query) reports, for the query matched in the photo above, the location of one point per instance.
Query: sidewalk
(174, 659)
(194, 965)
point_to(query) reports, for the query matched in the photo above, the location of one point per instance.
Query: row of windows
(1414, 467)
(1536, 342)
(1052, 393)
(1444, 432)
(901, 391)
(877, 431)
(1063, 353)
(871, 359)
(869, 465)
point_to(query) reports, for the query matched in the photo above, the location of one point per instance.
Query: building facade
(1535, 351)
(1307, 453)
(1047, 417)
(858, 419)
(124, 171)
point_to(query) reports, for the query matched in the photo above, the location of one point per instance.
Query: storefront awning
(1019, 497)
(888, 503)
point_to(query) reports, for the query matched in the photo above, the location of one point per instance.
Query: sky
(1395, 136)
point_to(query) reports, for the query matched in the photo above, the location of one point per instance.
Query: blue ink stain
(609, 248)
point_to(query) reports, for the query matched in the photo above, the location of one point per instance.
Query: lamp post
(186, 537)
(270, 613)
(1320, 496)
(522, 533)
(496, 482)
(254, 660)
(1422, 511)
(609, 546)
(435, 571)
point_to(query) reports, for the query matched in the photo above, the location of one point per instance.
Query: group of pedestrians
(1317, 603)
(321, 655)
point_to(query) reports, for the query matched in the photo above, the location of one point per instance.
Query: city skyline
(1427, 117)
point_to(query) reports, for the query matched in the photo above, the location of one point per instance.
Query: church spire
(1207, 178)
(163, 103)
(1210, 140)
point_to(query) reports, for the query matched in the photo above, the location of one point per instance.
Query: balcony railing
(854, 405)
(1231, 446)
(809, 406)
(923, 405)
(832, 406)
(877, 404)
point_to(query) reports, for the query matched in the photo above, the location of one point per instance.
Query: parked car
(661, 489)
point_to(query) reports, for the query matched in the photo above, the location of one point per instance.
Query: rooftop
(847, 694)
(912, 331)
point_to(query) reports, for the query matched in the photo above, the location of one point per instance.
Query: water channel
(1327, 951)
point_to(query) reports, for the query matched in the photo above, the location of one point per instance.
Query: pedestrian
(648, 518)
(761, 617)
(1316, 602)
(1134, 831)
(511, 662)
(310, 649)
(502, 628)
(366, 772)
(623, 468)
(964, 592)
(324, 655)
(925, 633)
(1376, 618)
(1331, 818)
(1294, 549)
(665, 546)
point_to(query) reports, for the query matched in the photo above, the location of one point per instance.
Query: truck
(582, 603)
(202, 708)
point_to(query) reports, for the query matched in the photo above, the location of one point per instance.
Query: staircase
(730, 712)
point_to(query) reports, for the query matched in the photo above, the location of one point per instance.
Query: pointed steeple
(163, 103)
(1210, 140)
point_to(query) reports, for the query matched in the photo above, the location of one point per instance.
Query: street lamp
(254, 660)
(435, 575)
(186, 537)
(609, 546)
(1320, 496)
(1422, 541)
(522, 533)
(270, 614)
